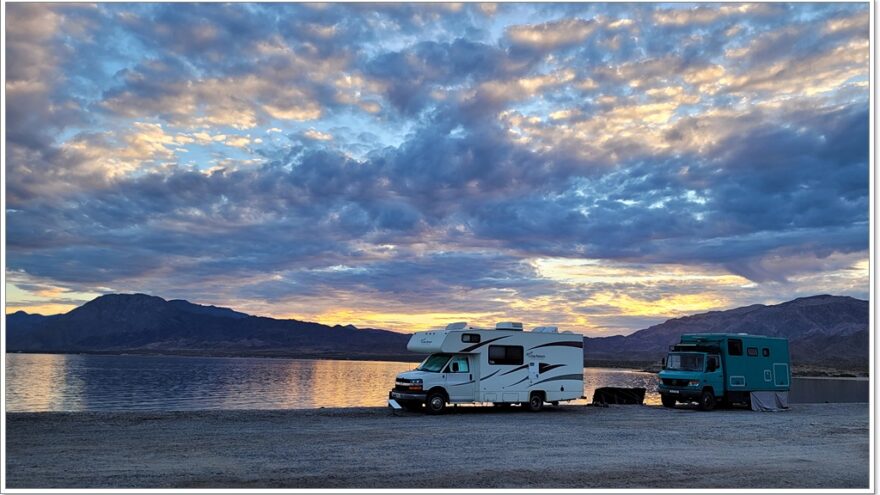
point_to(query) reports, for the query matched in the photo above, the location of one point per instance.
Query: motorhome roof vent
(459, 325)
(509, 325)
(545, 329)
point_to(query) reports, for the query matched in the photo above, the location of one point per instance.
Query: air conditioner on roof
(509, 325)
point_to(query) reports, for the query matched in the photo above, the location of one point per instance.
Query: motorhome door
(460, 378)
(533, 371)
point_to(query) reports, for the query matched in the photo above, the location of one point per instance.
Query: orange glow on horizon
(45, 309)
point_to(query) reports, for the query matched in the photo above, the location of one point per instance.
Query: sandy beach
(809, 446)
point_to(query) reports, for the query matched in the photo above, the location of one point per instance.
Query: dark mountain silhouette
(142, 323)
(822, 330)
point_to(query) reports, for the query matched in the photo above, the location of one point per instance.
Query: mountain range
(830, 331)
(149, 324)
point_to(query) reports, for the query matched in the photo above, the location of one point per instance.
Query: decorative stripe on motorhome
(561, 344)
(544, 367)
(515, 369)
(481, 344)
(562, 377)
(517, 383)
(490, 375)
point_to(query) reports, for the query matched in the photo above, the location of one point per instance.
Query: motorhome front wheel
(436, 403)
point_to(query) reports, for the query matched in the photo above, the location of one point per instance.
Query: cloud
(551, 35)
(318, 135)
(706, 15)
(592, 167)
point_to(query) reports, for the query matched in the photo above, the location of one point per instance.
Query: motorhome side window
(735, 347)
(753, 351)
(472, 338)
(505, 354)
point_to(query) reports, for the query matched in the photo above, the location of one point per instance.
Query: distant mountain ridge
(822, 330)
(143, 323)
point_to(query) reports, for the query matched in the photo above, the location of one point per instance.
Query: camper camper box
(503, 366)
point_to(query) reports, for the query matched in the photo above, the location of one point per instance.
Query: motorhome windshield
(685, 361)
(434, 363)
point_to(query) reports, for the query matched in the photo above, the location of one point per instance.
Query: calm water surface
(77, 382)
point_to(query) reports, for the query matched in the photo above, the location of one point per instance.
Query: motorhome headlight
(694, 383)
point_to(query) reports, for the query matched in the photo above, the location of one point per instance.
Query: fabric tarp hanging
(769, 401)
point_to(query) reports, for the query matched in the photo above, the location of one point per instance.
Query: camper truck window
(458, 364)
(505, 354)
(684, 361)
(753, 351)
(472, 338)
(735, 347)
(434, 363)
(713, 364)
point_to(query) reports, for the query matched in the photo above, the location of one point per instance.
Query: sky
(600, 167)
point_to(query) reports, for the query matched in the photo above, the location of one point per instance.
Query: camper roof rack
(459, 325)
(509, 325)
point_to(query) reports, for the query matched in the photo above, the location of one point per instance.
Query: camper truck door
(460, 378)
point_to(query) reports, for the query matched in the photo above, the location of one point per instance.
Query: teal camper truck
(728, 368)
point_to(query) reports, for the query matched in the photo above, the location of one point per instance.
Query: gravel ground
(809, 446)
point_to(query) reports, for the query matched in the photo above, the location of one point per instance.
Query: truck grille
(403, 384)
(675, 382)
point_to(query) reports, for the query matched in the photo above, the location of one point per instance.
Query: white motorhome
(503, 366)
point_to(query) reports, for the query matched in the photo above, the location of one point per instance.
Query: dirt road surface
(809, 446)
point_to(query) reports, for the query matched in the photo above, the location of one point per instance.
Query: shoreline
(565, 447)
(805, 371)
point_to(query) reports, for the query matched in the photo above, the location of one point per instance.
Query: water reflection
(44, 384)
(58, 382)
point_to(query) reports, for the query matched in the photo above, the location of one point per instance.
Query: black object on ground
(619, 395)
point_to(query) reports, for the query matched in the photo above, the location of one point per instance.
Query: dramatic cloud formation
(600, 167)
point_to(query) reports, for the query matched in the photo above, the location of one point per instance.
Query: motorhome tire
(667, 400)
(435, 403)
(536, 402)
(707, 400)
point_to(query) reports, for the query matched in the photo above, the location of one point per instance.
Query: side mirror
(710, 367)
(455, 367)
(663, 363)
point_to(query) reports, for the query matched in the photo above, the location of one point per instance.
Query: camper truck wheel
(707, 400)
(668, 401)
(536, 401)
(435, 402)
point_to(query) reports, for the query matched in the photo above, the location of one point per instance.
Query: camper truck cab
(727, 368)
(502, 366)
